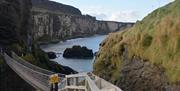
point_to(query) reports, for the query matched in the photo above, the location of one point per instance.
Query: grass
(109, 59)
(156, 38)
(30, 58)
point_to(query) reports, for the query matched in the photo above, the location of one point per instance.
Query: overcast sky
(116, 10)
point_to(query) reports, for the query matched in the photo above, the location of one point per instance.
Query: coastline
(56, 41)
(91, 42)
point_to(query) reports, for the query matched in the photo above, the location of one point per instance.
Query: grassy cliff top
(55, 6)
(156, 38)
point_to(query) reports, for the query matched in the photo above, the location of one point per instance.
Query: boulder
(58, 68)
(67, 70)
(78, 52)
(51, 55)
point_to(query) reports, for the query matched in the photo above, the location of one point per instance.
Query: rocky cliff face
(15, 35)
(48, 24)
(14, 19)
(146, 56)
(14, 16)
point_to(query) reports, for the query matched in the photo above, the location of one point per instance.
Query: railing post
(66, 83)
(77, 81)
(74, 81)
(86, 84)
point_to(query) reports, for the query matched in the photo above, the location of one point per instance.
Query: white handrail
(91, 84)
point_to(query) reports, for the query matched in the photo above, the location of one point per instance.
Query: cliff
(51, 25)
(146, 56)
(15, 35)
(13, 23)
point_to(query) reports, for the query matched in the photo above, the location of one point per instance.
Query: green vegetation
(36, 56)
(19, 49)
(44, 38)
(108, 61)
(30, 58)
(47, 39)
(156, 38)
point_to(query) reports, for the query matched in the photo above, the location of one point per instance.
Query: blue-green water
(80, 65)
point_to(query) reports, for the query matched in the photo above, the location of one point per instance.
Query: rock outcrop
(51, 55)
(146, 56)
(51, 25)
(141, 75)
(78, 52)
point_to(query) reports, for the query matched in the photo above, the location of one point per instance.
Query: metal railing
(29, 65)
(103, 84)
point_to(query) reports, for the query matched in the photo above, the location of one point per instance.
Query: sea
(80, 65)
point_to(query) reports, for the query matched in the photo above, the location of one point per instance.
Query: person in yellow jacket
(54, 80)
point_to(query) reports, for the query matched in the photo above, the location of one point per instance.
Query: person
(54, 80)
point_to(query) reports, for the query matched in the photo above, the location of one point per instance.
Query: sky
(116, 10)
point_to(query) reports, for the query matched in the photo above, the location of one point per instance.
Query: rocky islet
(78, 52)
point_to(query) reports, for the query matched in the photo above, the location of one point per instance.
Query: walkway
(39, 78)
